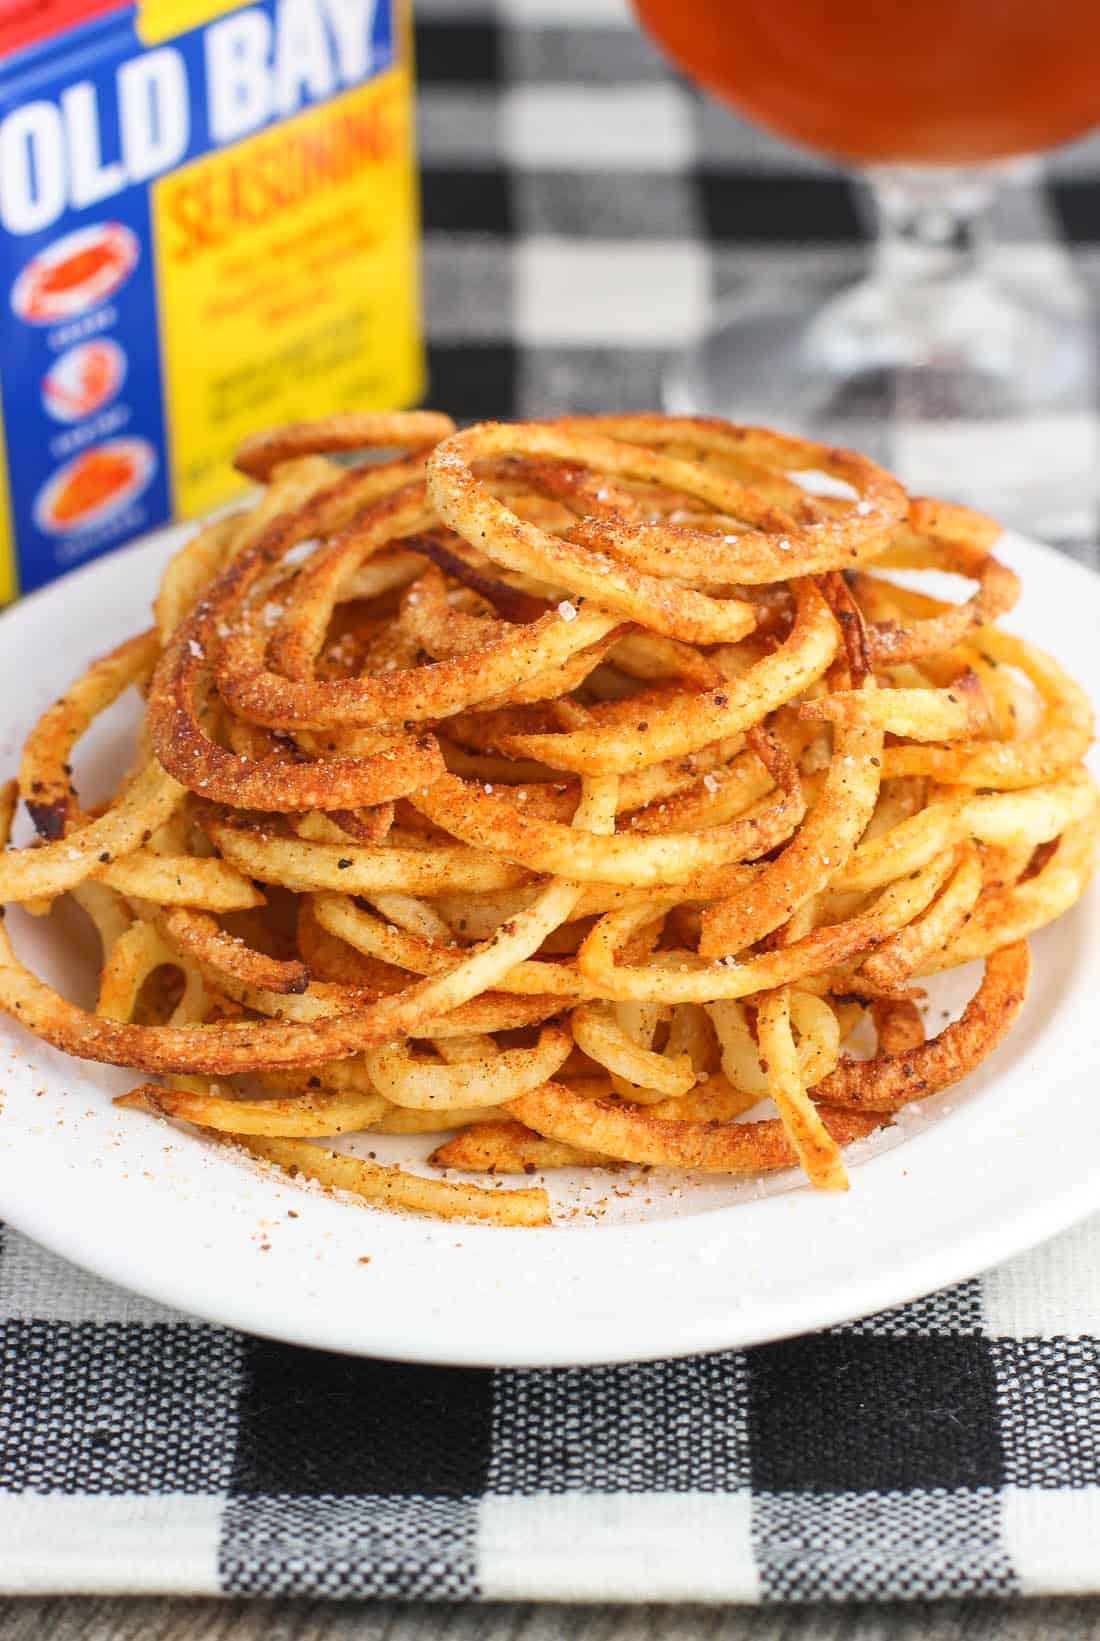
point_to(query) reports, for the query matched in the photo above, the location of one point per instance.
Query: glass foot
(978, 392)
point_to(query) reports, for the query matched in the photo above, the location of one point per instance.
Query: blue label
(87, 122)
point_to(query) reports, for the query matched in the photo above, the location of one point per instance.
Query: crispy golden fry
(810, 861)
(1062, 741)
(53, 868)
(510, 1148)
(371, 430)
(682, 977)
(817, 1050)
(1006, 914)
(920, 941)
(892, 1080)
(303, 1116)
(573, 785)
(423, 1086)
(638, 1136)
(672, 610)
(487, 820)
(685, 721)
(604, 1039)
(1002, 818)
(938, 536)
(716, 1100)
(178, 880)
(803, 1124)
(920, 715)
(392, 1188)
(45, 775)
(354, 869)
(188, 572)
(224, 956)
(474, 661)
(376, 939)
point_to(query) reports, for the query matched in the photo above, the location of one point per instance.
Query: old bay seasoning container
(207, 225)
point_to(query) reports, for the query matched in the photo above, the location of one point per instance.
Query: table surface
(70, 1619)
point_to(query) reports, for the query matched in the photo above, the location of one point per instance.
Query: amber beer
(939, 82)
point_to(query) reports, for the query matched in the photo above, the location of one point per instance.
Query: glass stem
(932, 233)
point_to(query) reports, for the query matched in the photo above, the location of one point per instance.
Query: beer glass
(971, 372)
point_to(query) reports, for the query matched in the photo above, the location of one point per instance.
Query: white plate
(673, 1265)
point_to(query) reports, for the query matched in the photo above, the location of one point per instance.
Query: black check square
(778, 209)
(114, 1408)
(833, 1414)
(475, 200)
(1076, 202)
(314, 1425)
(473, 381)
(461, 50)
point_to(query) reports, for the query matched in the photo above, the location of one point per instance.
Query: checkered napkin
(581, 209)
(950, 1447)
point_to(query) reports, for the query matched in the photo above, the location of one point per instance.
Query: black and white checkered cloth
(581, 209)
(951, 1447)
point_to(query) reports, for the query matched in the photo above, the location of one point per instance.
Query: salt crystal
(300, 551)
(710, 782)
(784, 545)
(488, 788)
(729, 540)
(864, 507)
(196, 649)
(271, 613)
(567, 611)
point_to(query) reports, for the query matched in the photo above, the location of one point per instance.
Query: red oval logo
(75, 273)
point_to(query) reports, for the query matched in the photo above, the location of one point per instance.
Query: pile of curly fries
(567, 788)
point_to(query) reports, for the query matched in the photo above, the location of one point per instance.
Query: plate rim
(709, 1327)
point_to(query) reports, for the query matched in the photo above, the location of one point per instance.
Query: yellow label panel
(158, 20)
(288, 278)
